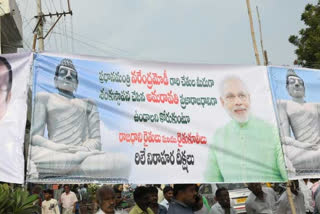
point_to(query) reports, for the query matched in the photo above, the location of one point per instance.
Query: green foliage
(16, 201)
(308, 41)
(92, 189)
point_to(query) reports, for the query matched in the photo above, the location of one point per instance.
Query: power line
(120, 51)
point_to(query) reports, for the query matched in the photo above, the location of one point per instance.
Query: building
(10, 27)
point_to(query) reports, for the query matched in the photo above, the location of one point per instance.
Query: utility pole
(256, 53)
(38, 30)
(290, 199)
(40, 27)
(264, 53)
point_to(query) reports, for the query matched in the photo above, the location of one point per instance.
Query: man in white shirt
(283, 206)
(261, 200)
(168, 195)
(49, 205)
(223, 203)
(68, 200)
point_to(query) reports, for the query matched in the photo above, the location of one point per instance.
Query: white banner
(113, 120)
(14, 77)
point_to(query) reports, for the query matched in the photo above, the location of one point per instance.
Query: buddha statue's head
(295, 85)
(66, 77)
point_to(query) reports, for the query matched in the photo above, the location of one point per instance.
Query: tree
(16, 201)
(308, 42)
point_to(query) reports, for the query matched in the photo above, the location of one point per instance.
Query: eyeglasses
(232, 98)
(64, 71)
(293, 81)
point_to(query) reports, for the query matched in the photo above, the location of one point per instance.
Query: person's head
(48, 194)
(118, 195)
(66, 188)
(168, 193)
(142, 197)
(294, 187)
(119, 187)
(5, 85)
(66, 77)
(235, 98)
(106, 199)
(295, 85)
(75, 188)
(222, 196)
(36, 189)
(255, 188)
(153, 191)
(186, 193)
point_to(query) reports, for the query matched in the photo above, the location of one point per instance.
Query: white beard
(239, 118)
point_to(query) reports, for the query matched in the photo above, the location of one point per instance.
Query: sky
(189, 31)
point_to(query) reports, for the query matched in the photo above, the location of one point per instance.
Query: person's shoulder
(53, 200)
(160, 205)
(133, 210)
(163, 202)
(149, 211)
(44, 96)
(100, 212)
(221, 131)
(90, 105)
(73, 193)
(283, 197)
(261, 122)
(266, 127)
(121, 212)
(215, 206)
(283, 102)
(89, 101)
(172, 206)
(250, 199)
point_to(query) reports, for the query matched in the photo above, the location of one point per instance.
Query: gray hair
(102, 192)
(228, 79)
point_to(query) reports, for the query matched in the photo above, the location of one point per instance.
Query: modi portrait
(247, 148)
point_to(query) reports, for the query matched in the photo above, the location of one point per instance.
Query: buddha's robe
(302, 149)
(71, 122)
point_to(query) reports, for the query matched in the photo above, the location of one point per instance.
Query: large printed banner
(112, 120)
(14, 77)
(297, 101)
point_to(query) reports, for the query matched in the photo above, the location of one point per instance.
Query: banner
(14, 76)
(296, 96)
(113, 120)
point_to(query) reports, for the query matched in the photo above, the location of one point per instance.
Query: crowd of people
(183, 199)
